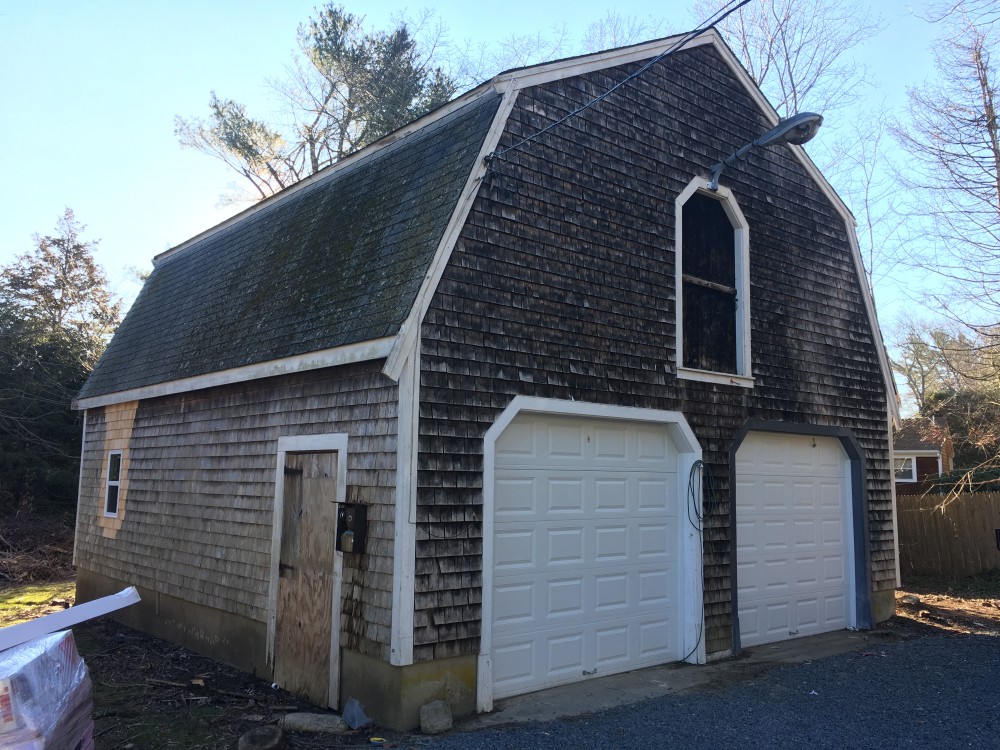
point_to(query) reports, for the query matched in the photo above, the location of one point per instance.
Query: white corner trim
(341, 355)
(404, 558)
(79, 490)
(331, 442)
(895, 510)
(689, 451)
(408, 333)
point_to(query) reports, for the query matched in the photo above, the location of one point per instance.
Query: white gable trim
(519, 79)
(831, 195)
(341, 355)
(407, 337)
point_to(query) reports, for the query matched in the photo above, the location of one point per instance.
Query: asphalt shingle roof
(336, 262)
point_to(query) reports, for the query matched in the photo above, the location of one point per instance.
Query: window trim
(116, 483)
(912, 478)
(741, 239)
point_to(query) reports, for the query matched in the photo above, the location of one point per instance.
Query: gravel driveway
(931, 692)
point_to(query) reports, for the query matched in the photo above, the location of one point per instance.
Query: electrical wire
(716, 18)
(702, 501)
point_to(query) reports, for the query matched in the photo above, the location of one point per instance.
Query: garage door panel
(791, 536)
(514, 549)
(585, 546)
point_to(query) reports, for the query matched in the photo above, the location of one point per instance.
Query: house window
(114, 483)
(905, 468)
(713, 341)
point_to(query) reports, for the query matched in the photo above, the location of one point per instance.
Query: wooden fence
(954, 537)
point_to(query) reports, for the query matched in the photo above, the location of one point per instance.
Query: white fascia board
(407, 338)
(904, 453)
(835, 200)
(574, 66)
(333, 169)
(341, 355)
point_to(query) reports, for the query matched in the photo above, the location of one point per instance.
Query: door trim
(688, 452)
(860, 553)
(329, 443)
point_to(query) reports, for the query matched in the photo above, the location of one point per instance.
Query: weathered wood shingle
(562, 286)
(336, 262)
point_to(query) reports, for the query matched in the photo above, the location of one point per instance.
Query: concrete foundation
(883, 604)
(232, 639)
(392, 696)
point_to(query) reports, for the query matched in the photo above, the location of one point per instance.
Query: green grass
(982, 586)
(23, 603)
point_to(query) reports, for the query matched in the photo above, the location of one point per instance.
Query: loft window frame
(115, 483)
(741, 265)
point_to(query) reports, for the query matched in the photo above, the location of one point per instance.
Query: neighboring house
(922, 450)
(564, 411)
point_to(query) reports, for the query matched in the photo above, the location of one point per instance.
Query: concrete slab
(602, 693)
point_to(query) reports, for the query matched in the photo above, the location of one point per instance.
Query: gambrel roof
(335, 261)
(342, 266)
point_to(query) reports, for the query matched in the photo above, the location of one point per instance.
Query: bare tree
(797, 50)
(953, 138)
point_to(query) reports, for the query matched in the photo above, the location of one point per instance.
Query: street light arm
(797, 129)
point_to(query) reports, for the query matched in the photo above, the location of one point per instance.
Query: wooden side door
(306, 639)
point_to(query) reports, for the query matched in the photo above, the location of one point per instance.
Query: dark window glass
(709, 286)
(111, 506)
(114, 467)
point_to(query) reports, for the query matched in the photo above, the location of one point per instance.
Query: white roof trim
(341, 355)
(574, 66)
(903, 452)
(835, 200)
(407, 337)
(333, 169)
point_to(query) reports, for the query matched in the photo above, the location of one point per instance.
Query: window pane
(114, 467)
(709, 329)
(709, 241)
(111, 506)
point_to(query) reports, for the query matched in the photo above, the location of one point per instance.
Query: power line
(719, 16)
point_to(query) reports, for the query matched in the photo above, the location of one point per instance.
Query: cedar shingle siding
(562, 286)
(198, 506)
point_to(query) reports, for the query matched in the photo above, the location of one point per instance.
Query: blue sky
(89, 91)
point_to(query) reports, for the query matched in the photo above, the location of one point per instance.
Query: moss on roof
(336, 262)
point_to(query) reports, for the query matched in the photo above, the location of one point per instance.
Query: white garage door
(586, 545)
(792, 536)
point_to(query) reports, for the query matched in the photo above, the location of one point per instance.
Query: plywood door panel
(303, 633)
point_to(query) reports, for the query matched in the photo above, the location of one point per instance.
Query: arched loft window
(713, 284)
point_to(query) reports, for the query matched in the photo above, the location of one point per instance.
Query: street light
(797, 129)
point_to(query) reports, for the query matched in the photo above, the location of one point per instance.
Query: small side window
(905, 467)
(114, 483)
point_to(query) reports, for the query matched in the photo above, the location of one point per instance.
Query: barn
(509, 399)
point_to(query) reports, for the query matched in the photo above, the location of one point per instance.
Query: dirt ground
(150, 694)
